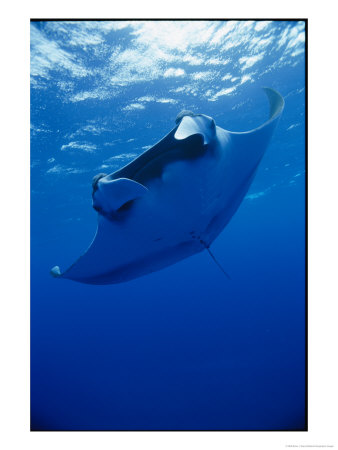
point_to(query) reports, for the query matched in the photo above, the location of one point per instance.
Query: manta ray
(173, 200)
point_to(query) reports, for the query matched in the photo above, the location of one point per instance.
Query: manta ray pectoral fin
(276, 102)
(55, 272)
(198, 124)
(248, 147)
(111, 194)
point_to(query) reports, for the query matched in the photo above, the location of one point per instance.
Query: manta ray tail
(218, 264)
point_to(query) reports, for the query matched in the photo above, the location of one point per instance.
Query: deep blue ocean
(183, 348)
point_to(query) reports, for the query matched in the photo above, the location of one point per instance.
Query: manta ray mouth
(151, 163)
(154, 168)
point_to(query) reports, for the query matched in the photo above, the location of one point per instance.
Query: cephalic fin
(197, 124)
(111, 194)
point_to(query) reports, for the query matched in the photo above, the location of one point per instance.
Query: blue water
(183, 348)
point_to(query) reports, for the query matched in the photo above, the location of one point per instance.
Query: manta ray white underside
(173, 200)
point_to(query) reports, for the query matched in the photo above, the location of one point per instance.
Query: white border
(14, 397)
